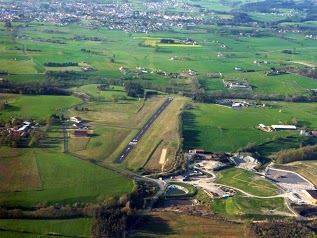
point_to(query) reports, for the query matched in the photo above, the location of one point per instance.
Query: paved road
(142, 131)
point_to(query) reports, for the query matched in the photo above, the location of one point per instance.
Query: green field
(240, 207)
(218, 128)
(80, 227)
(248, 182)
(66, 180)
(119, 46)
(38, 107)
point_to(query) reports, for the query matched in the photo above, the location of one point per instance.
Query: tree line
(67, 64)
(31, 88)
(290, 155)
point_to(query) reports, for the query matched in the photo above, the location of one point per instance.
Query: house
(78, 125)
(76, 119)
(80, 133)
(283, 127)
(196, 151)
(237, 104)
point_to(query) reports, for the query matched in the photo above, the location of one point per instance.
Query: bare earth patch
(163, 156)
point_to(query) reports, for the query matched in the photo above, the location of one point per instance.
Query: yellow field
(156, 42)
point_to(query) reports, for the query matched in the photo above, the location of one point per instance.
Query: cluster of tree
(3, 105)
(12, 139)
(70, 78)
(110, 223)
(114, 218)
(31, 136)
(103, 87)
(52, 212)
(31, 88)
(167, 41)
(86, 38)
(85, 50)
(67, 64)
(290, 155)
(53, 41)
(287, 52)
(31, 50)
(199, 94)
(81, 109)
(306, 72)
(282, 229)
(8, 24)
(134, 89)
(3, 72)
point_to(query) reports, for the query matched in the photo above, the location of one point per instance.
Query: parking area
(288, 180)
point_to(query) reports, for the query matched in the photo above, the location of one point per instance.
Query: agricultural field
(169, 224)
(114, 50)
(215, 128)
(248, 182)
(63, 180)
(80, 227)
(37, 107)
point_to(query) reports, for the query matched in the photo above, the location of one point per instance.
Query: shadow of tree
(152, 226)
(190, 134)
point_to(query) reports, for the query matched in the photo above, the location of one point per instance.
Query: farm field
(215, 128)
(92, 90)
(65, 180)
(279, 84)
(247, 182)
(174, 225)
(19, 171)
(117, 45)
(39, 107)
(80, 227)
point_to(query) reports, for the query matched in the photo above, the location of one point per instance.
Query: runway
(142, 131)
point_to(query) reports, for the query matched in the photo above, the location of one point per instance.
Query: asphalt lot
(282, 176)
(142, 131)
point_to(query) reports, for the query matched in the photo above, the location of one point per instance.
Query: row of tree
(290, 155)
(67, 64)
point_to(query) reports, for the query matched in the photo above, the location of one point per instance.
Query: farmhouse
(196, 151)
(283, 127)
(76, 119)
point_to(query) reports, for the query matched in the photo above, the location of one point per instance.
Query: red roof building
(80, 133)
